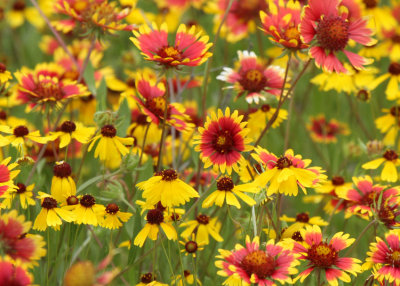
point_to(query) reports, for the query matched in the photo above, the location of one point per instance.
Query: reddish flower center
(265, 107)
(292, 33)
(112, 209)
(19, 5)
(322, 255)
(175, 217)
(62, 170)
(337, 181)
(3, 68)
(87, 201)
(170, 52)
(169, 175)
(396, 39)
(141, 119)
(225, 184)
(223, 142)
(3, 115)
(155, 216)
(283, 162)
(333, 33)
(253, 80)
(394, 258)
(296, 236)
(21, 188)
(108, 131)
(386, 215)
(186, 273)
(68, 127)
(156, 105)
(302, 217)
(146, 278)
(259, 263)
(395, 111)
(390, 155)
(248, 10)
(48, 88)
(49, 203)
(370, 3)
(203, 219)
(394, 68)
(20, 131)
(191, 246)
(72, 200)
(363, 95)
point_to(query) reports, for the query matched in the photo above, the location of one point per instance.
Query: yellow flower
(389, 124)
(110, 146)
(303, 219)
(51, 214)
(5, 75)
(205, 226)
(71, 130)
(22, 192)
(17, 136)
(87, 211)
(62, 184)
(392, 90)
(165, 187)
(113, 217)
(191, 246)
(155, 220)
(390, 161)
(226, 189)
(186, 279)
(147, 279)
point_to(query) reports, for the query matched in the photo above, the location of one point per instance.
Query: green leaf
(88, 75)
(101, 96)
(124, 118)
(133, 250)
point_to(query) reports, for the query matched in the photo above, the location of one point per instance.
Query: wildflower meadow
(199, 142)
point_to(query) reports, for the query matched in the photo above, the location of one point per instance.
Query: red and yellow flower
(325, 131)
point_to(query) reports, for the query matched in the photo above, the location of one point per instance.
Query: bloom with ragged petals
(205, 226)
(252, 78)
(390, 161)
(113, 217)
(226, 190)
(321, 255)
(46, 85)
(332, 27)
(73, 130)
(165, 187)
(286, 173)
(190, 47)
(91, 14)
(250, 265)
(155, 220)
(384, 258)
(363, 199)
(222, 141)
(7, 174)
(281, 22)
(326, 131)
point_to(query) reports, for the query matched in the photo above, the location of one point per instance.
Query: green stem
(360, 237)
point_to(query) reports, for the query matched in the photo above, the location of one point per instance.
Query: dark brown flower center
(395, 111)
(387, 215)
(390, 155)
(266, 107)
(170, 52)
(394, 68)
(337, 181)
(146, 278)
(394, 258)
(49, 203)
(3, 68)
(203, 219)
(155, 216)
(169, 175)
(333, 33)
(112, 209)
(19, 5)
(156, 105)
(370, 3)
(68, 127)
(87, 201)
(225, 184)
(322, 255)
(175, 217)
(3, 115)
(283, 162)
(141, 119)
(62, 170)
(21, 188)
(369, 198)
(363, 95)
(396, 39)
(72, 200)
(252, 80)
(259, 263)
(21, 131)
(223, 142)
(186, 273)
(191, 246)
(108, 131)
(296, 236)
(302, 217)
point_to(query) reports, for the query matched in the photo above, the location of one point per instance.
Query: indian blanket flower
(90, 15)
(165, 187)
(205, 226)
(390, 161)
(14, 274)
(323, 256)
(46, 85)
(227, 190)
(281, 22)
(110, 147)
(190, 47)
(73, 130)
(363, 200)
(16, 242)
(384, 258)
(22, 192)
(326, 131)
(113, 217)
(252, 78)
(331, 27)
(155, 220)
(7, 174)
(222, 141)
(286, 173)
(51, 214)
(62, 184)
(252, 265)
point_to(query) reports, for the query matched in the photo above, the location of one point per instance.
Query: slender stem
(85, 63)
(287, 132)
(163, 133)
(358, 118)
(359, 237)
